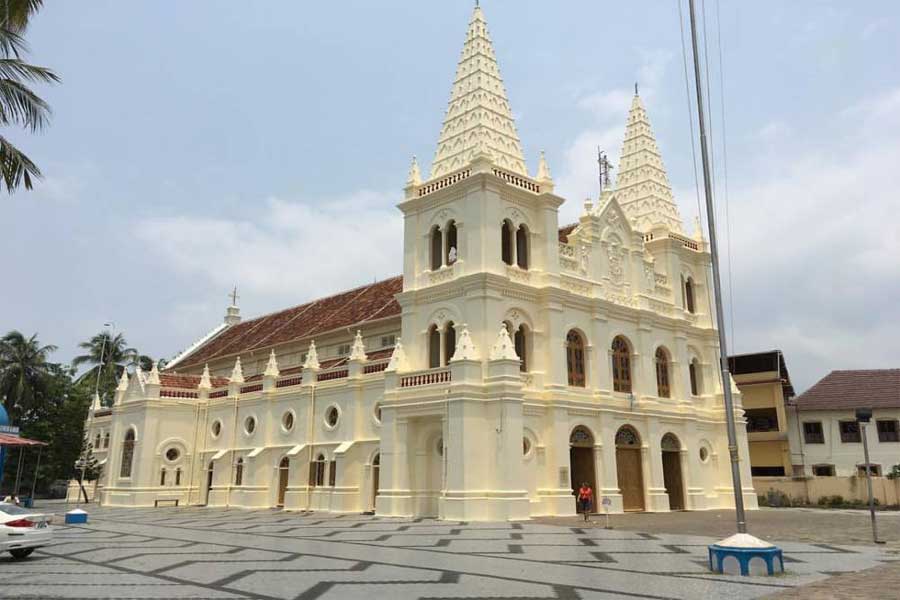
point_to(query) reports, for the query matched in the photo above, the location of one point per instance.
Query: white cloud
(291, 251)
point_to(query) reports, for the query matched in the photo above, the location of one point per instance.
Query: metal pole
(717, 285)
(865, 442)
(18, 472)
(90, 410)
(36, 468)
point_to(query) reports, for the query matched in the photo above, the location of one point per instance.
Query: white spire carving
(642, 187)
(139, 373)
(478, 117)
(398, 359)
(153, 377)
(205, 381)
(237, 374)
(415, 176)
(465, 347)
(272, 366)
(543, 170)
(123, 381)
(358, 351)
(312, 357)
(95, 403)
(503, 348)
(698, 229)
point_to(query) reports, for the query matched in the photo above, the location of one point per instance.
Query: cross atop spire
(478, 116)
(642, 187)
(234, 296)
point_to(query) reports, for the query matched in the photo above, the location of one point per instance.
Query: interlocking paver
(216, 553)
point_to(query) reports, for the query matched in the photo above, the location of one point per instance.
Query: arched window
(621, 365)
(689, 295)
(239, 472)
(178, 476)
(522, 247)
(575, 358)
(506, 242)
(452, 247)
(162, 476)
(97, 441)
(434, 347)
(332, 472)
(662, 373)
(320, 470)
(127, 454)
(449, 342)
(694, 372)
(436, 248)
(106, 440)
(521, 348)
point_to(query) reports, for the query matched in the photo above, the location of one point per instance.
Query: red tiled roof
(565, 231)
(873, 388)
(188, 382)
(353, 307)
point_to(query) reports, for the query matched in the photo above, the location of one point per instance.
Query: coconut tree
(19, 104)
(110, 355)
(24, 371)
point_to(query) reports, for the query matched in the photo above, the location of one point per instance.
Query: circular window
(526, 446)
(216, 428)
(172, 454)
(376, 412)
(332, 416)
(287, 421)
(704, 454)
(250, 425)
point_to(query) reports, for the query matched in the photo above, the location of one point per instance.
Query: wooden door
(581, 461)
(630, 478)
(672, 479)
(375, 473)
(283, 473)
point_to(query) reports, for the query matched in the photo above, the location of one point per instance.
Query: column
(652, 451)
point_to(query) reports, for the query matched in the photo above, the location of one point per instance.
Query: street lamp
(863, 417)
(96, 400)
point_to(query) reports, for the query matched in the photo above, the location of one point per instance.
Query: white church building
(512, 360)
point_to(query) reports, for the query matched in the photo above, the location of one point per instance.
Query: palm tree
(108, 353)
(19, 105)
(23, 370)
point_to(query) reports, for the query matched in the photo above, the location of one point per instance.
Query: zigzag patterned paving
(229, 553)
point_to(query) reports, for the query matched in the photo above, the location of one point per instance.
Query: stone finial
(358, 351)
(465, 347)
(312, 357)
(153, 377)
(123, 381)
(415, 176)
(272, 366)
(398, 359)
(698, 229)
(205, 380)
(237, 374)
(543, 170)
(139, 373)
(588, 206)
(95, 403)
(503, 348)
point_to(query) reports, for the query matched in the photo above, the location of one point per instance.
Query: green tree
(23, 372)
(19, 104)
(110, 355)
(86, 467)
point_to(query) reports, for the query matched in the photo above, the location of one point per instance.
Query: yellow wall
(763, 390)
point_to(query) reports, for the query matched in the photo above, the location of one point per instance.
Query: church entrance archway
(284, 471)
(672, 479)
(581, 461)
(629, 471)
(209, 482)
(376, 472)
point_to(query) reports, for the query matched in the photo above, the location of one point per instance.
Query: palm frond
(18, 70)
(11, 43)
(16, 168)
(16, 13)
(19, 105)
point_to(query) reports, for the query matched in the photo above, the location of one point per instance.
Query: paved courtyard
(222, 553)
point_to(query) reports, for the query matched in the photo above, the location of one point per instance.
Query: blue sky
(200, 145)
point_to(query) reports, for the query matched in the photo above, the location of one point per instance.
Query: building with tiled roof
(826, 439)
(513, 359)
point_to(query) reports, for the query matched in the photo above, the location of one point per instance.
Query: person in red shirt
(585, 499)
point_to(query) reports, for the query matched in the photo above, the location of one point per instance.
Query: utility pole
(863, 416)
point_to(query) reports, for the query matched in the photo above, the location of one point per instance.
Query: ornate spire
(478, 116)
(642, 187)
(237, 374)
(358, 351)
(503, 348)
(415, 176)
(123, 381)
(543, 170)
(312, 357)
(698, 229)
(398, 359)
(205, 381)
(272, 366)
(153, 377)
(465, 347)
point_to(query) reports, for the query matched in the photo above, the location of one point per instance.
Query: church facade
(511, 361)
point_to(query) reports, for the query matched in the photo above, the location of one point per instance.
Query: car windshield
(12, 509)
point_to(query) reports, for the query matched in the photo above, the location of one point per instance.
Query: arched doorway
(284, 470)
(376, 472)
(581, 460)
(209, 481)
(629, 471)
(671, 459)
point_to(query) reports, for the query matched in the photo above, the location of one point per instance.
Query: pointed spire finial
(123, 381)
(415, 176)
(358, 351)
(237, 374)
(272, 366)
(398, 359)
(153, 377)
(503, 348)
(465, 347)
(205, 380)
(635, 88)
(312, 357)
(543, 170)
